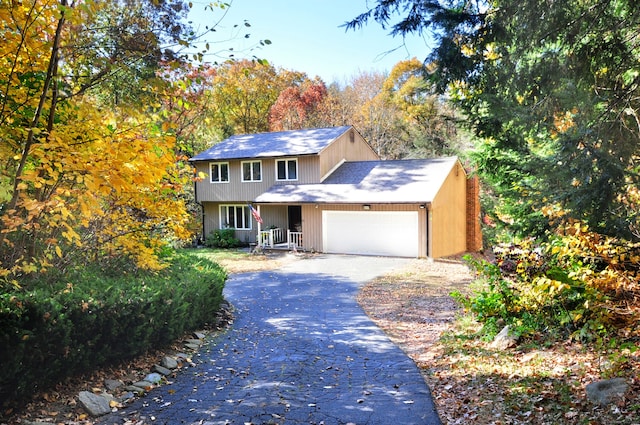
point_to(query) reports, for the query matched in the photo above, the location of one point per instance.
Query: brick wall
(474, 232)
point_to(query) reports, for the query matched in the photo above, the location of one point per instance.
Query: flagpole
(259, 224)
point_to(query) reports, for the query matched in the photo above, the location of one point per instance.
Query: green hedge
(69, 323)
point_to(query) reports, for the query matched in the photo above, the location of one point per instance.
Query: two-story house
(326, 190)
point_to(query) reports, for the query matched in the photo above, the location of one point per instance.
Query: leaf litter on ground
(470, 382)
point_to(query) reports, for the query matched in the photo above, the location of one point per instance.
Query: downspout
(428, 228)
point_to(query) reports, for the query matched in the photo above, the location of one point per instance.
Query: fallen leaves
(471, 383)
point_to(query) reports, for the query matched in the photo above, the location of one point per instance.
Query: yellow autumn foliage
(78, 182)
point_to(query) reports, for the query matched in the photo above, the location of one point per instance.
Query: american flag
(255, 214)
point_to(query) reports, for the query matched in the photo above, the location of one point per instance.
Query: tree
(428, 124)
(86, 175)
(244, 92)
(551, 89)
(296, 106)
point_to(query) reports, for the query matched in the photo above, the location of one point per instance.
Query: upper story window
(252, 171)
(235, 217)
(219, 172)
(287, 169)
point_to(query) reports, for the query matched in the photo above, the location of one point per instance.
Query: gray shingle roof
(267, 145)
(401, 181)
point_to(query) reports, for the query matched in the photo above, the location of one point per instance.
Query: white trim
(252, 180)
(246, 215)
(218, 163)
(287, 179)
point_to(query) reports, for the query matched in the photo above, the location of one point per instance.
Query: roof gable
(269, 145)
(398, 181)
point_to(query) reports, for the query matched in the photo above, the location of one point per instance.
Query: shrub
(222, 238)
(530, 289)
(73, 322)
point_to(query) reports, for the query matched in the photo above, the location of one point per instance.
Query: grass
(241, 261)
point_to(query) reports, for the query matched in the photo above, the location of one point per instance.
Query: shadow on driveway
(300, 351)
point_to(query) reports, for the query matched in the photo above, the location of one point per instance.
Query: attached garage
(386, 233)
(402, 208)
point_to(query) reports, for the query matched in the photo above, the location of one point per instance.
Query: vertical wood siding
(238, 191)
(272, 215)
(448, 215)
(345, 149)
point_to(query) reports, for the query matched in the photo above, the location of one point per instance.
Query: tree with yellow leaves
(87, 173)
(245, 90)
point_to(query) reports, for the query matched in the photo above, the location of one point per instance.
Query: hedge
(69, 323)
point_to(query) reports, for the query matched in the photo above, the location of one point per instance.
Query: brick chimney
(474, 231)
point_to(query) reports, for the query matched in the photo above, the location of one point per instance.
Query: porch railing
(294, 239)
(271, 237)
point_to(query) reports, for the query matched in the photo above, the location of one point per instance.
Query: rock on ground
(95, 405)
(608, 391)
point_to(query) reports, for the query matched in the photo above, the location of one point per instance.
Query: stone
(95, 405)
(127, 396)
(200, 334)
(145, 385)
(505, 339)
(607, 391)
(112, 384)
(135, 390)
(161, 370)
(154, 378)
(193, 347)
(193, 341)
(169, 362)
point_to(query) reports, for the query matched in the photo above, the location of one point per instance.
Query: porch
(278, 238)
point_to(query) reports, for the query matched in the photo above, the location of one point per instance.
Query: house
(326, 190)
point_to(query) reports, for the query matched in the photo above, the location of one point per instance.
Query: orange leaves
(563, 122)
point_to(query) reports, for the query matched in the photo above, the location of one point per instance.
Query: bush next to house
(222, 238)
(68, 323)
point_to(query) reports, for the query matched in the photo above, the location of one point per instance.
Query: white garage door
(387, 233)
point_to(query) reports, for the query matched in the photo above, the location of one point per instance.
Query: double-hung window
(287, 169)
(252, 171)
(219, 172)
(235, 217)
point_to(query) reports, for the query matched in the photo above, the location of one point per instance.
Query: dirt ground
(472, 383)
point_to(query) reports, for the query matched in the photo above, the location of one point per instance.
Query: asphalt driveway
(300, 351)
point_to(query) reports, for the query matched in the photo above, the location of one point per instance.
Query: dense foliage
(550, 90)
(580, 286)
(70, 322)
(222, 238)
(89, 170)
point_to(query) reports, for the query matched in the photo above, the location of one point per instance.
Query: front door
(295, 218)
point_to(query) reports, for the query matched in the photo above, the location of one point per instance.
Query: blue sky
(306, 36)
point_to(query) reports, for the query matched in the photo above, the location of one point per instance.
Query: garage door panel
(389, 233)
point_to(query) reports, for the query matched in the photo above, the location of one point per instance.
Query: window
(219, 172)
(235, 217)
(287, 169)
(252, 171)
